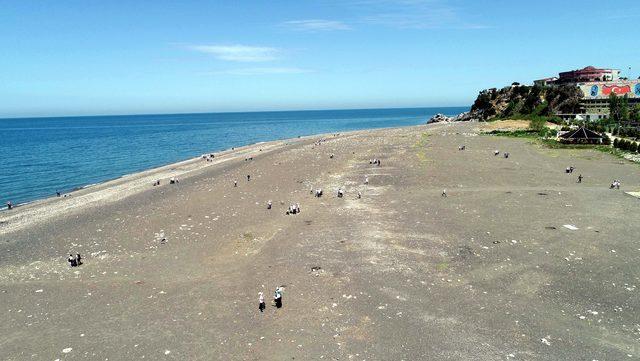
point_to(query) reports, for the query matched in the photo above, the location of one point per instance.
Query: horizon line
(221, 112)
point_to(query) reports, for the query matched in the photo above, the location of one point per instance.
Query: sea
(39, 156)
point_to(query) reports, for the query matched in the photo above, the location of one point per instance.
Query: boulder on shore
(439, 118)
(462, 117)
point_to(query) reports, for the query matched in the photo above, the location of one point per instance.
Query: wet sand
(487, 273)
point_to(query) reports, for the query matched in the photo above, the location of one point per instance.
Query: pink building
(589, 74)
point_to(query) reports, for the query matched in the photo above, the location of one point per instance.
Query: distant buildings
(596, 86)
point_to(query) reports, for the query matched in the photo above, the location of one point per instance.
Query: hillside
(526, 100)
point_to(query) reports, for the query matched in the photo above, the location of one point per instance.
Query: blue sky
(123, 57)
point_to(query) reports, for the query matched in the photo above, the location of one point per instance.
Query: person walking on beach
(580, 178)
(261, 304)
(248, 177)
(9, 205)
(277, 297)
(366, 180)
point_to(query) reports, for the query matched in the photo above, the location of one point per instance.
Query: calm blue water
(41, 155)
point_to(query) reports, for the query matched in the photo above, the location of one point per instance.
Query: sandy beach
(517, 262)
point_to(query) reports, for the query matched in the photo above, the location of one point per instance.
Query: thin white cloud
(261, 71)
(316, 25)
(239, 53)
(414, 14)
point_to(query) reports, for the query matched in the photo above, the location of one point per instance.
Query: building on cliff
(596, 85)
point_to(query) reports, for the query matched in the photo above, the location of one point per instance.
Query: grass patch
(442, 266)
(515, 133)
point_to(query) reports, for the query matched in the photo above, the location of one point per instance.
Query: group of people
(374, 161)
(277, 299)
(462, 147)
(208, 157)
(172, 180)
(293, 209)
(317, 193)
(569, 170)
(75, 261)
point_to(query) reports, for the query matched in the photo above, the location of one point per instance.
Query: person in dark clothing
(78, 259)
(277, 297)
(261, 304)
(580, 178)
(72, 261)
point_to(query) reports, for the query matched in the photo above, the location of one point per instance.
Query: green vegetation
(619, 108)
(522, 102)
(626, 145)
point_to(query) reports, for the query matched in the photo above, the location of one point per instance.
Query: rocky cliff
(526, 100)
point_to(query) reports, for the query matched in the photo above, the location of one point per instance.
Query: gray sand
(487, 273)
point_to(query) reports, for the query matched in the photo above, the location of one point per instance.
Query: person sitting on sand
(567, 170)
(331, 156)
(318, 192)
(277, 297)
(378, 162)
(444, 193)
(496, 152)
(359, 195)
(506, 155)
(248, 177)
(235, 183)
(173, 180)
(340, 193)
(78, 259)
(269, 204)
(261, 304)
(366, 180)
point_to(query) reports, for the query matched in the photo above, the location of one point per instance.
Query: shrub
(616, 143)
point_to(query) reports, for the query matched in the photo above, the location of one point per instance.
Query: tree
(619, 108)
(624, 108)
(634, 114)
(614, 107)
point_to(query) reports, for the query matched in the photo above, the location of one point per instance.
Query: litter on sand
(571, 227)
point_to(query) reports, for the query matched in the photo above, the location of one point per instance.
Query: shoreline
(24, 214)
